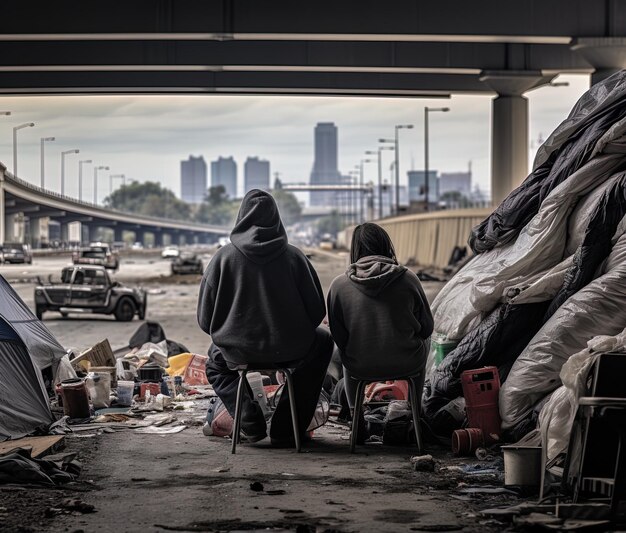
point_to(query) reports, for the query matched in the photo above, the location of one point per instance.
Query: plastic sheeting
(557, 416)
(567, 149)
(597, 309)
(541, 245)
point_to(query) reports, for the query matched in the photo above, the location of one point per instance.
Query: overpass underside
(408, 48)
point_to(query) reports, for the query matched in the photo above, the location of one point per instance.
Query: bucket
(465, 441)
(125, 392)
(522, 466)
(75, 398)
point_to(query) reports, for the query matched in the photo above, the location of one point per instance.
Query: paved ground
(188, 482)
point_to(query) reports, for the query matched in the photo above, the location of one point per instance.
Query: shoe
(253, 424)
(218, 423)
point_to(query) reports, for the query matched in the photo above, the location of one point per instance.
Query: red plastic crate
(481, 388)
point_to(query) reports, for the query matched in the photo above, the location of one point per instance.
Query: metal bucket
(522, 466)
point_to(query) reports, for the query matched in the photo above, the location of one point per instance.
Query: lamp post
(380, 173)
(397, 128)
(95, 182)
(63, 154)
(80, 178)
(43, 164)
(111, 176)
(363, 161)
(426, 111)
(15, 129)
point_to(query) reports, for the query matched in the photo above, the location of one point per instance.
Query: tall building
(456, 182)
(256, 174)
(193, 186)
(325, 171)
(224, 172)
(417, 186)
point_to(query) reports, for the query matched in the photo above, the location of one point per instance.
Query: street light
(43, 165)
(26, 125)
(362, 216)
(95, 182)
(63, 154)
(80, 177)
(111, 176)
(396, 140)
(426, 111)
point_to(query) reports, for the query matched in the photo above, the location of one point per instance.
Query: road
(188, 482)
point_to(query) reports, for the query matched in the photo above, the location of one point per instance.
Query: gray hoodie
(380, 318)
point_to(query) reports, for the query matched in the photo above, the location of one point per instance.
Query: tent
(26, 348)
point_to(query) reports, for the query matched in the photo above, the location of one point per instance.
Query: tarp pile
(549, 272)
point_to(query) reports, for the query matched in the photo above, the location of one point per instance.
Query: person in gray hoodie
(262, 302)
(378, 313)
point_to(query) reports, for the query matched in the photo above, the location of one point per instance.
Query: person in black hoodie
(378, 313)
(262, 303)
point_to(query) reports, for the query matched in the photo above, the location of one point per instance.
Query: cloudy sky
(145, 137)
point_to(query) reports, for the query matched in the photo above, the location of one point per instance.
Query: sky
(146, 137)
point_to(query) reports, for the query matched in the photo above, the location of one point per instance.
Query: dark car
(90, 290)
(16, 253)
(187, 263)
(97, 254)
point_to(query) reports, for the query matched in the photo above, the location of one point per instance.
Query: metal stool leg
(292, 407)
(238, 409)
(415, 399)
(358, 406)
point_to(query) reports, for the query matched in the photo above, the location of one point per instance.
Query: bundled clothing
(262, 302)
(380, 319)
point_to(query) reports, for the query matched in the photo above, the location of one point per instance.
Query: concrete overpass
(407, 48)
(21, 201)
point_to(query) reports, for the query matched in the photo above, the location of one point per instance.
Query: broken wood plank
(38, 445)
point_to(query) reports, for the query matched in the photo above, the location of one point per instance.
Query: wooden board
(39, 445)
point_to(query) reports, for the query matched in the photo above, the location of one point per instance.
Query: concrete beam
(606, 54)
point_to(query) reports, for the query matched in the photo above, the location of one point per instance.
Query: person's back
(261, 301)
(378, 314)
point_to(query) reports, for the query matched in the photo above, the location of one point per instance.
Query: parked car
(90, 290)
(16, 253)
(97, 254)
(170, 252)
(187, 263)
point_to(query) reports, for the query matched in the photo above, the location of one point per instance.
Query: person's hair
(370, 239)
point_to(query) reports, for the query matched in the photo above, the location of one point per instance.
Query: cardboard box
(99, 354)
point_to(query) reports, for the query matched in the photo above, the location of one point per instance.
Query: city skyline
(146, 137)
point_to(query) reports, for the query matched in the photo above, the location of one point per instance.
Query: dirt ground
(189, 482)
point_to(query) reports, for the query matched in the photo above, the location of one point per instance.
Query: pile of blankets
(549, 271)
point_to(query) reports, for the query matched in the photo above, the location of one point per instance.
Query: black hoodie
(260, 298)
(379, 318)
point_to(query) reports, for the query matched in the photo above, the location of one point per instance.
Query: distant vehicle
(170, 252)
(187, 263)
(90, 290)
(16, 253)
(137, 246)
(222, 241)
(97, 254)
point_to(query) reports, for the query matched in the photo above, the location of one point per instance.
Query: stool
(414, 400)
(243, 370)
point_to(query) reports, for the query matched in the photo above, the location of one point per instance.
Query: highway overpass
(404, 48)
(21, 202)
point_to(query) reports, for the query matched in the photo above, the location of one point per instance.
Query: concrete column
(158, 239)
(35, 232)
(93, 233)
(140, 236)
(65, 232)
(2, 207)
(607, 55)
(118, 234)
(509, 145)
(509, 128)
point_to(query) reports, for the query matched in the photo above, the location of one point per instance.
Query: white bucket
(522, 466)
(125, 392)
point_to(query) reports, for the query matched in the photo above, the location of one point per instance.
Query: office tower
(417, 186)
(224, 172)
(456, 182)
(193, 186)
(325, 171)
(256, 174)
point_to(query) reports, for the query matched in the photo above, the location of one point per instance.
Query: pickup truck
(89, 289)
(97, 254)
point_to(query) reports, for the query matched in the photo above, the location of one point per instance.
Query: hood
(259, 233)
(374, 273)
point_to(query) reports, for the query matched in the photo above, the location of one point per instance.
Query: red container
(154, 388)
(75, 398)
(466, 441)
(481, 389)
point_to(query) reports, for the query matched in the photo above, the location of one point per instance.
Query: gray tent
(26, 348)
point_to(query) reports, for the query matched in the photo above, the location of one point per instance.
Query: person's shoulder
(410, 278)
(338, 284)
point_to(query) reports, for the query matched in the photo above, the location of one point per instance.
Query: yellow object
(179, 364)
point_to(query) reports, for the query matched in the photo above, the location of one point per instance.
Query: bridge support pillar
(2, 208)
(118, 234)
(39, 235)
(606, 55)
(509, 128)
(158, 239)
(140, 236)
(93, 233)
(65, 233)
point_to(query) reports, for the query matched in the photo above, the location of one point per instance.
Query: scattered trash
(423, 463)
